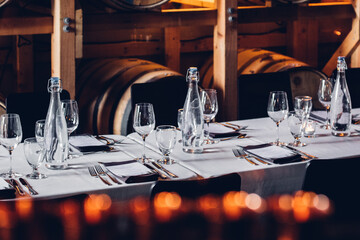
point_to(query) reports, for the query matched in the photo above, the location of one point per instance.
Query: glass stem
(143, 157)
(327, 123)
(10, 170)
(278, 133)
(207, 132)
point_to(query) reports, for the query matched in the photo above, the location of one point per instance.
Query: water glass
(10, 137)
(166, 140)
(277, 110)
(295, 124)
(324, 96)
(35, 155)
(210, 109)
(303, 106)
(144, 123)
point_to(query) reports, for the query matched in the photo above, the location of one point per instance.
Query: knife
(26, 184)
(162, 175)
(17, 186)
(164, 169)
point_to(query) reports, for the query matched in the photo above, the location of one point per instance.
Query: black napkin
(94, 148)
(224, 135)
(150, 177)
(295, 157)
(7, 193)
(88, 143)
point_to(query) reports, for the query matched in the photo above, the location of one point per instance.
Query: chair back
(254, 89)
(31, 106)
(337, 179)
(196, 188)
(167, 95)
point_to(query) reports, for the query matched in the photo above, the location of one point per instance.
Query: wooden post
(303, 38)
(24, 63)
(172, 48)
(63, 43)
(350, 44)
(225, 59)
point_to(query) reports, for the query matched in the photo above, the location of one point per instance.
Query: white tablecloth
(217, 159)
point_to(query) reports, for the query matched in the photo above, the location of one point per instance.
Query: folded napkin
(132, 171)
(88, 143)
(5, 191)
(219, 131)
(273, 153)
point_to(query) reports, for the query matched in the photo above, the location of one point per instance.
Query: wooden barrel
(121, 5)
(304, 79)
(104, 92)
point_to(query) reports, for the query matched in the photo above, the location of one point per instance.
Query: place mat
(88, 143)
(132, 171)
(275, 154)
(219, 131)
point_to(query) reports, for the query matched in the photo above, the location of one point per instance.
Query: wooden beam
(24, 63)
(303, 38)
(225, 59)
(172, 48)
(79, 36)
(25, 26)
(198, 3)
(63, 44)
(349, 45)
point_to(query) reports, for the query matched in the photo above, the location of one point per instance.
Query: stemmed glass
(303, 106)
(34, 154)
(166, 140)
(295, 124)
(71, 113)
(180, 118)
(324, 95)
(39, 132)
(210, 109)
(278, 109)
(10, 137)
(144, 122)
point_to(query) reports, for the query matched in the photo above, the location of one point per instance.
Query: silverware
(236, 125)
(94, 174)
(17, 187)
(308, 156)
(161, 174)
(101, 171)
(164, 170)
(252, 155)
(228, 126)
(233, 137)
(237, 153)
(108, 140)
(27, 184)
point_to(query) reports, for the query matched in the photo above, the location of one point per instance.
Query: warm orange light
(240, 198)
(4, 216)
(285, 202)
(140, 204)
(337, 32)
(208, 203)
(69, 208)
(321, 202)
(91, 211)
(255, 203)
(24, 208)
(102, 202)
(301, 210)
(231, 209)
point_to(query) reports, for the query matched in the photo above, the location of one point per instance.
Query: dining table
(264, 179)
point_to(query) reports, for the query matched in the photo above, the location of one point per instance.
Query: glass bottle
(55, 132)
(340, 111)
(193, 120)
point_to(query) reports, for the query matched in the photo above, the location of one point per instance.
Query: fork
(237, 153)
(101, 172)
(94, 174)
(243, 152)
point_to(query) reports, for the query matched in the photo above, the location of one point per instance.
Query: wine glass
(71, 113)
(39, 132)
(303, 106)
(278, 109)
(144, 122)
(210, 109)
(10, 137)
(295, 125)
(324, 95)
(180, 118)
(166, 140)
(35, 155)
